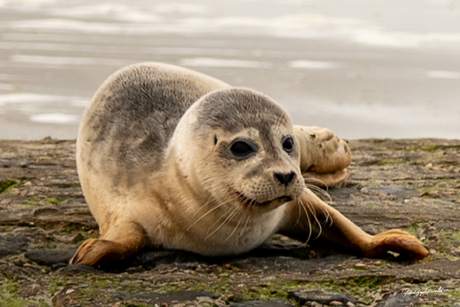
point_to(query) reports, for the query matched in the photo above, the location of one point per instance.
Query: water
(362, 68)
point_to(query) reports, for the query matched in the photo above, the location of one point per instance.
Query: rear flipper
(324, 157)
(326, 180)
(119, 243)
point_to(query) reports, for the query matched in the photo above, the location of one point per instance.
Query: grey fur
(134, 114)
(236, 109)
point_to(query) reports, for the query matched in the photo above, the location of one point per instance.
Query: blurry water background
(381, 68)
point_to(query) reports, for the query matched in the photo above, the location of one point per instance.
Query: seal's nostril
(291, 177)
(285, 178)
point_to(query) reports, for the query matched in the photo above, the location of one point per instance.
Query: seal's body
(171, 158)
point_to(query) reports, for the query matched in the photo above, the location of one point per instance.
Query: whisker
(317, 221)
(212, 209)
(299, 214)
(325, 212)
(202, 206)
(328, 221)
(324, 195)
(310, 180)
(204, 215)
(308, 219)
(235, 228)
(246, 224)
(223, 223)
(221, 218)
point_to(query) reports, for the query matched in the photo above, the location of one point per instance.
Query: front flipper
(324, 157)
(396, 240)
(119, 243)
(309, 217)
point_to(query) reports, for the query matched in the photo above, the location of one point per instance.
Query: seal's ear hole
(242, 149)
(215, 139)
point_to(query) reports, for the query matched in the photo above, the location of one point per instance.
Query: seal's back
(128, 124)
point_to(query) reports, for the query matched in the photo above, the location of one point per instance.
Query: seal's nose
(286, 178)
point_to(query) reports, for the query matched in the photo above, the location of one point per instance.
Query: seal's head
(244, 152)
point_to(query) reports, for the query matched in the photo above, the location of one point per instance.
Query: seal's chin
(246, 201)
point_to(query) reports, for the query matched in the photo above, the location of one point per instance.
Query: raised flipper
(119, 243)
(324, 157)
(310, 217)
(326, 180)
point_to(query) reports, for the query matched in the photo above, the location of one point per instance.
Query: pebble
(269, 303)
(360, 266)
(319, 296)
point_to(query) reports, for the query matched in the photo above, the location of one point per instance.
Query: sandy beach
(380, 70)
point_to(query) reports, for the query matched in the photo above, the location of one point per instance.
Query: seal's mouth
(253, 203)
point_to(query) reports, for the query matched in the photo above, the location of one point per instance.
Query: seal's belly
(234, 245)
(228, 240)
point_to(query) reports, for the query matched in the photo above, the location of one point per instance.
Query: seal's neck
(179, 176)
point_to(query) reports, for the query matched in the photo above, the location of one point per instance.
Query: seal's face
(261, 166)
(248, 154)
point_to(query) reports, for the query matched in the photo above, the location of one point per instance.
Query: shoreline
(357, 74)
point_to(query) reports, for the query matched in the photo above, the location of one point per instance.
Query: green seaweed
(5, 186)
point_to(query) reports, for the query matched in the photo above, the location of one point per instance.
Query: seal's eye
(288, 145)
(241, 149)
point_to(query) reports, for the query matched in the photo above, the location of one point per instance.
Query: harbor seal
(172, 158)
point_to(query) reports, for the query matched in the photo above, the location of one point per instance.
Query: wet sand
(361, 77)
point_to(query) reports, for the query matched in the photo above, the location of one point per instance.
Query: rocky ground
(408, 184)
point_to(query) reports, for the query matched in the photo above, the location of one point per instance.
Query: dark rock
(343, 193)
(46, 211)
(13, 244)
(188, 265)
(270, 303)
(50, 256)
(187, 260)
(33, 233)
(289, 264)
(273, 249)
(161, 298)
(78, 268)
(322, 297)
(148, 260)
(397, 191)
(153, 258)
(399, 300)
(59, 265)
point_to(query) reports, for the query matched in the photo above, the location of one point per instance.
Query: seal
(172, 158)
